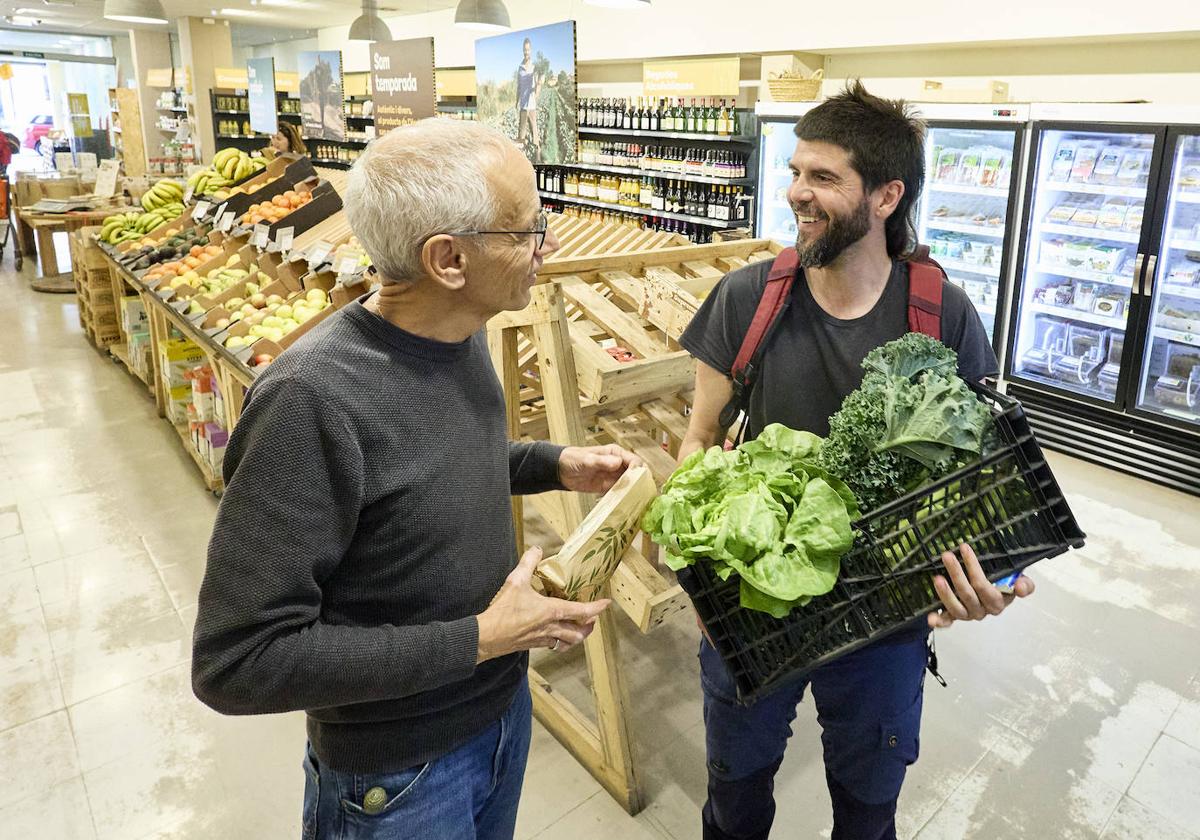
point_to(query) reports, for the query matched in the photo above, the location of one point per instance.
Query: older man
(362, 567)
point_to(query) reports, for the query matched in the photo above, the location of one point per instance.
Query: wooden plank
(668, 419)
(759, 256)
(643, 593)
(636, 261)
(694, 286)
(728, 264)
(591, 362)
(626, 328)
(628, 435)
(647, 378)
(701, 270)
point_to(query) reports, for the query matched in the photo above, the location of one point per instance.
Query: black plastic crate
(1007, 506)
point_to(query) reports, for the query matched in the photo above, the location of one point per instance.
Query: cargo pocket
(899, 745)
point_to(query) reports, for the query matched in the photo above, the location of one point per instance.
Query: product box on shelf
(219, 416)
(133, 315)
(139, 353)
(217, 439)
(178, 355)
(178, 398)
(200, 379)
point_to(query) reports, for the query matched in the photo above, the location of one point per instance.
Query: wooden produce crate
(580, 238)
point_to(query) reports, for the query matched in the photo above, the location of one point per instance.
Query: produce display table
(36, 231)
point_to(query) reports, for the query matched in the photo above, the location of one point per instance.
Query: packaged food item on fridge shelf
(1189, 177)
(1184, 273)
(1105, 259)
(1076, 254)
(1062, 213)
(1064, 160)
(970, 166)
(1108, 165)
(1086, 216)
(1109, 305)
(1085, 296)
(1053, 292)
(1179, 318)
(993, 165)
(1112, 214)
(1064, 295)
(1085, 162)
(1133, 218)
(1052, 251)
(1133, 167)
(947, 165)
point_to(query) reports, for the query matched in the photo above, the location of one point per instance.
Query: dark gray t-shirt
(814, 360)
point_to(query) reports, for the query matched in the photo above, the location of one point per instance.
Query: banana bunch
(228, 167)
(134, 225)
(163, 193)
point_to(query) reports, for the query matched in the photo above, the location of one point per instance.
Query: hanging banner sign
(260, 75)
(402, 78)
(691, 77)
(322, 101)
(230, 78)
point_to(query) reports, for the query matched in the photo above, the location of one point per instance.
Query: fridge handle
(1151, 267)
(1137, 273)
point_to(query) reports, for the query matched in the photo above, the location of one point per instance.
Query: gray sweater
(365, 523)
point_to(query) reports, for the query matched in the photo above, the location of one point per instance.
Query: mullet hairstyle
(885, 142)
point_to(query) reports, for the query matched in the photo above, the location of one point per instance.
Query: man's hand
(973, 597)
(521, 619)
(594, 469)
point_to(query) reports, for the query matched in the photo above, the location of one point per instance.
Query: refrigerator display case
(973, 164)
(1103, 344)
(1169, 379)
(776, 143)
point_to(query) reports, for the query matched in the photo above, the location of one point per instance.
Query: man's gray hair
(418, 181)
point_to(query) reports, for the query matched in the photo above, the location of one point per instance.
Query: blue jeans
(869, 707)
(468, 794)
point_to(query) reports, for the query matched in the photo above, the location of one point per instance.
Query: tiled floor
(1076, 715)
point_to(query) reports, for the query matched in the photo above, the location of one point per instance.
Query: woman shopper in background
(286, 139)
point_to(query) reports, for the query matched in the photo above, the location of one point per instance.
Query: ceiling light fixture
(620, 4)
(236, 13)
(369, 26)
(135, 11)
(482, 15)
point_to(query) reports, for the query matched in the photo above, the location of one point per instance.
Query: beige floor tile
(18, 591)
(183, 582)
(1169, 781)
(60, 812)
(127, 651)
(1134, 821)
(103, 614)
(601, 818)
(1185, 723)
(23, 638)
(10, 524)
(43, 546)
(14, 553)
(555, 784)
(28, 692)
(37, 755)
(97, 576)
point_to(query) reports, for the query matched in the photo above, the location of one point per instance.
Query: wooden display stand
(127, 130)
(562, 383)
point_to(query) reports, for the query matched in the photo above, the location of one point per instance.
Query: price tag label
(318, 253)
(224, 222)
(199, 210)
(188, 193)
(261, 235)
(284, 237)
(348, 265)
(220, 211)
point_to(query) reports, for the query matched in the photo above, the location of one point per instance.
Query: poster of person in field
(525, 84)
(322, 103)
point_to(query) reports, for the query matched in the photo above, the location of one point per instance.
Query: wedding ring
(555, 645)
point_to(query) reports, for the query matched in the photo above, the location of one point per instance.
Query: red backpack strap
(925, 297)
(766, 316)
(779, 283)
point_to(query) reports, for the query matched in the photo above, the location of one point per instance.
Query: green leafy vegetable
(911, 421)
(765, 512)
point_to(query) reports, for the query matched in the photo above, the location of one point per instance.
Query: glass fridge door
(1085, 224)
(963, 216)
(776, 144)
(1170, 376)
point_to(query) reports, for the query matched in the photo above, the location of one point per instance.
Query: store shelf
(239, 137)
(1187, 197)
(121, 353)
(1191, 292)
(172, 110)
(969, 189)
(994, 231)
(1072, 314)
(210, 478)
(1084, 274)
(667, 135)
(968, 268)
(1107, 235)
(644, 211)
(1186, 244)
(237, 113)
(1171, 411)
(1192, 339)
(1094, 189)
(358, 117)
(330, 162)
(655, 173)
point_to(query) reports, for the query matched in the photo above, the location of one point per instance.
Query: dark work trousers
(869, 707)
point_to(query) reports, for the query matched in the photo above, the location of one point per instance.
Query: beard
(840, 233)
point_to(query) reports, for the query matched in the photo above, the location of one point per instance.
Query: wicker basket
(796, 90)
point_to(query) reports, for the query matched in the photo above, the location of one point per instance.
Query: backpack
(924, 316)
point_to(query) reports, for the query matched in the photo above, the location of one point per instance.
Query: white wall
(690, 27)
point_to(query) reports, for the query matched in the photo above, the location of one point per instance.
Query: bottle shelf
(645, 211)
(667, 135)
(656, 173)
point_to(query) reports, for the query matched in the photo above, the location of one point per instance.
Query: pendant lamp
(135, 11)
(483, 15)
(369, 26)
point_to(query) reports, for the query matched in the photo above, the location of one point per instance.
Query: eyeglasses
(539, 232)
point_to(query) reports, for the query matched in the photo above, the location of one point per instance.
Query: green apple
(273, 333)
(275, 299)
(316, 296)
(252, 288)
(235, 342)
(272, 321)
(289, 326)
(284, 311)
